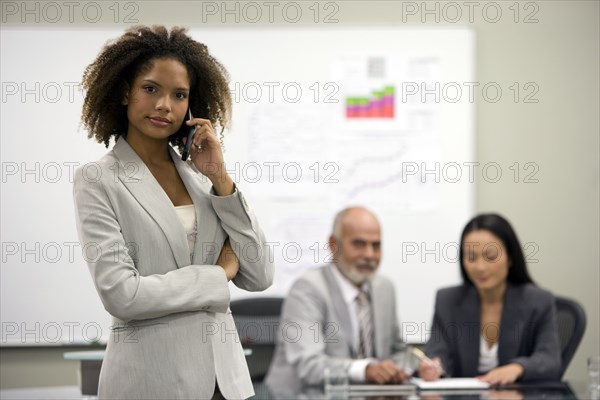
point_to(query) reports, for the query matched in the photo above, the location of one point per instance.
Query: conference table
(539, 390)
(557, 390)
(92, 360)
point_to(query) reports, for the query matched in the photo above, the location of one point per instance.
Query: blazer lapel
(340, 308)
(140, 182)
(511, 329)
(467, 332)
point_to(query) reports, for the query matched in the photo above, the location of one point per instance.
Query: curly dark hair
(106, 79)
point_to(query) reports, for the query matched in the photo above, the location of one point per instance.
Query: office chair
(257, 321)
(571, 326)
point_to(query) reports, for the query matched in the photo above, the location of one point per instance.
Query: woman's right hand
(430, 371)
(228, 261)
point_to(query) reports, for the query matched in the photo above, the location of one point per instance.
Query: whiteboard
(298, 149)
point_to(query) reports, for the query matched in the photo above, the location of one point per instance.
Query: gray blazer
(315, 330)
(173, 333)
(528, 331)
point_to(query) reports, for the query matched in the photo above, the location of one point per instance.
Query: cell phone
(187, 131)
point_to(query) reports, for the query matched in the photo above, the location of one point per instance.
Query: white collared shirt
(349, 291)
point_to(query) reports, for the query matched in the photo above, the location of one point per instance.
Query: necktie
(365, 326)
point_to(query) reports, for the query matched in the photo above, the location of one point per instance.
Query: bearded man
(340, 314)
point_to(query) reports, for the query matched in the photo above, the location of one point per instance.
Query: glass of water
(594, 374)
(337, 382)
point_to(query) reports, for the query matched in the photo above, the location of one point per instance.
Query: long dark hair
(500, 227)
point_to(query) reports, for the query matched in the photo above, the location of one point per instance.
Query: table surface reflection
(539, 390)
(547, 391)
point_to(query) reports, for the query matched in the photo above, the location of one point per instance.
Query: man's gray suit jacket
(315, 330)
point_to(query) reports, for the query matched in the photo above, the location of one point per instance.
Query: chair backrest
(257, 320)
(571, 326)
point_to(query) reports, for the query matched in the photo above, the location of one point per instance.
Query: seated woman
(498, 325)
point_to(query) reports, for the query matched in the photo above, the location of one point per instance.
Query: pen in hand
(421, 356)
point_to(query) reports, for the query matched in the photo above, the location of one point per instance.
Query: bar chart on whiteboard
(382, 130)
(364, 148)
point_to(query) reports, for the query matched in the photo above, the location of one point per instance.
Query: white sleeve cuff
(358, 368)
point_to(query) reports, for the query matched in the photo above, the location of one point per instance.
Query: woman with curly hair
(166, 235)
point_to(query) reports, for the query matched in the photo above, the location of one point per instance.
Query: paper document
(450, 383)
(383, 388)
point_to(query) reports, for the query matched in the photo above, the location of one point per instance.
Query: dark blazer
(528, 331)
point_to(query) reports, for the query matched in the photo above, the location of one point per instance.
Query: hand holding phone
(189, 131)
